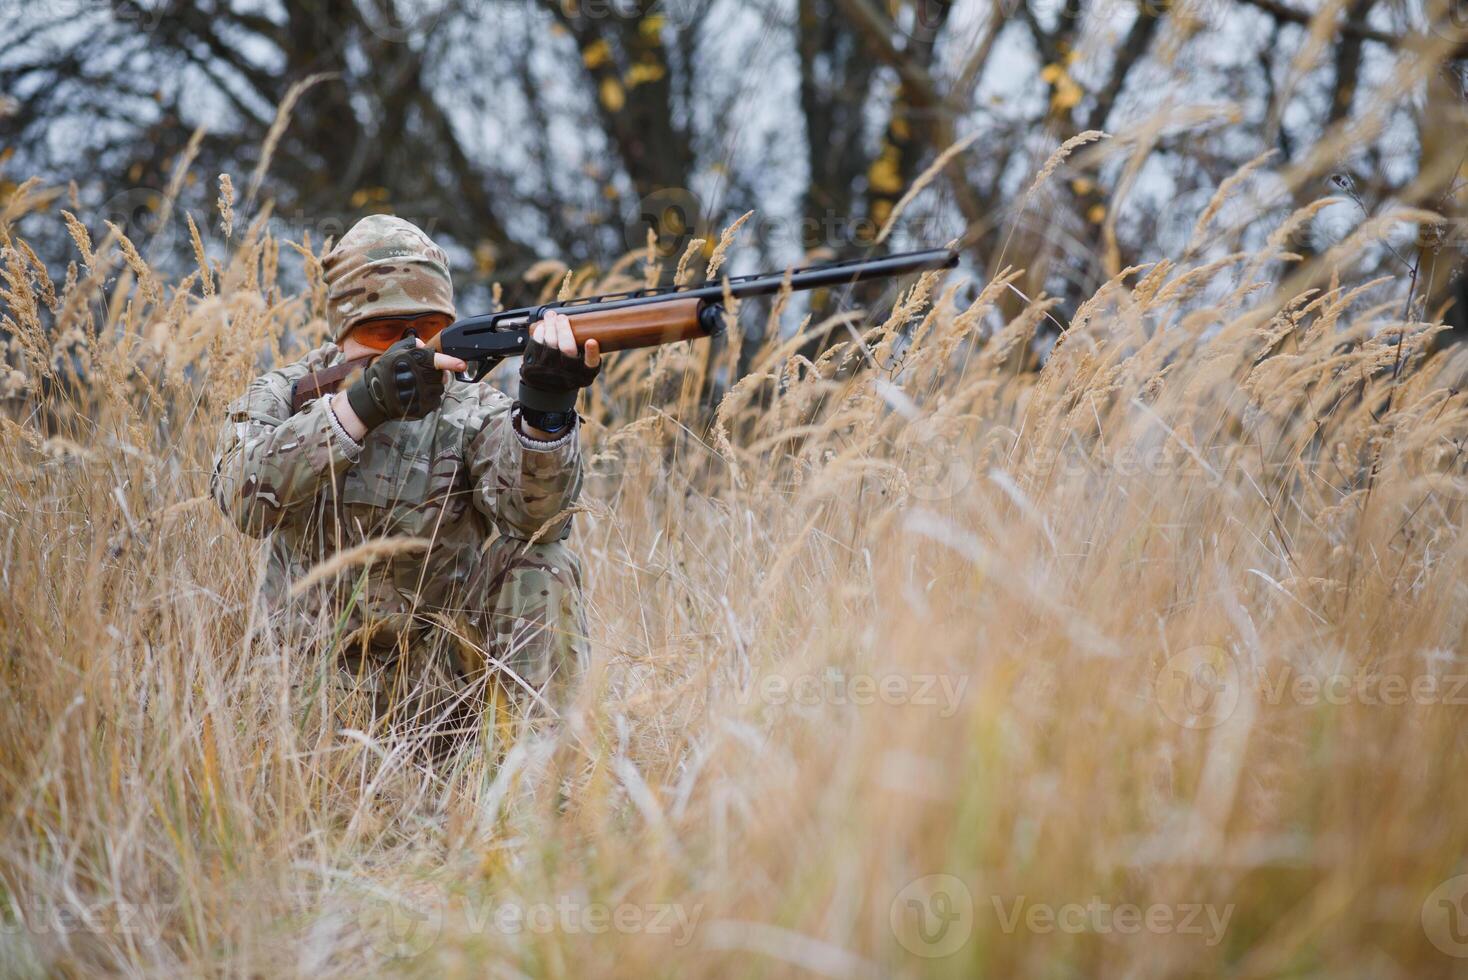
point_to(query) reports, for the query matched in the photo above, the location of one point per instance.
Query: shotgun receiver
(661, 315)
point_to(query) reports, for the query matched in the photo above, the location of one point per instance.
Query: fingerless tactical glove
(401, 384)
(549, 381)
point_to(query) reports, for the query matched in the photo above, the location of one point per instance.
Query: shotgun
(629, 320)
(660, 315)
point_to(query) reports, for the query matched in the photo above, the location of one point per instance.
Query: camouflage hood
(385, 266)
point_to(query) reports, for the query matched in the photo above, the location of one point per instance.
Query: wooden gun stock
(318, 384)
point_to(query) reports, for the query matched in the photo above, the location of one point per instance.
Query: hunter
(407, 450)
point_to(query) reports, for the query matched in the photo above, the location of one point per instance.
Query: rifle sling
(323, 382)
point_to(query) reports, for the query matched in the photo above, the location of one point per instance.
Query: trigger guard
(476, 372)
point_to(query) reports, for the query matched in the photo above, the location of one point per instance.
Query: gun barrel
(812, 277)
(692, 309)
(846, 273)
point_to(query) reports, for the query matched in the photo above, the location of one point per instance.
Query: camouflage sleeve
(271, 463)
(521, 484)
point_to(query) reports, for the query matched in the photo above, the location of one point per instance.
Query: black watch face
(547, 421)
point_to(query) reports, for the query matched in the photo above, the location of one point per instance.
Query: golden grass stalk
(366, 553)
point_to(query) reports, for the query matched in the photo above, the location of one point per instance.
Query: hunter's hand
(552, 371)
(406, 382)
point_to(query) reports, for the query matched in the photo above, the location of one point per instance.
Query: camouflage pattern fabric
(384, 266)
(481, 598)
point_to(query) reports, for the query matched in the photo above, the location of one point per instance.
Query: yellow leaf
(651, 26)
(1082, 186)
(883, 176)
(612, 95)
(644, 73)
(1067, 94)
(363, 196)
(900, 128)
(597, 53)
(485, 255)
(610, 192)
(881, 211)
(1096, 214)
(1051, 73)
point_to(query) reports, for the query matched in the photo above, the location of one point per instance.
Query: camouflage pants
(508, 651)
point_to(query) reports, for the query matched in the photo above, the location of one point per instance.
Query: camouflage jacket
(456, 477)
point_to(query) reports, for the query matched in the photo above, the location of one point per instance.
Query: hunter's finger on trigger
(444, 362)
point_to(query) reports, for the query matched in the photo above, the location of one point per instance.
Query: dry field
(907, 662)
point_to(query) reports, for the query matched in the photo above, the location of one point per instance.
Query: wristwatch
(546, 421)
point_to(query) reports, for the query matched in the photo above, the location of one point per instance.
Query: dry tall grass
(1053, 635)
